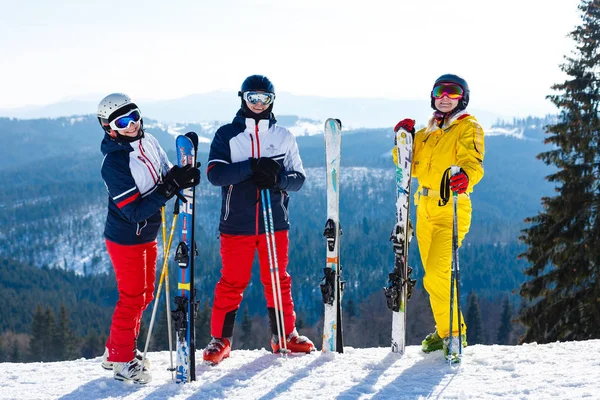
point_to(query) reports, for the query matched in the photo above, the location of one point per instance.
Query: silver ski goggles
(124, 121)
(265, 98)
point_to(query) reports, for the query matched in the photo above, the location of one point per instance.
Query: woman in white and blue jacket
(247, 155)
(140, 180)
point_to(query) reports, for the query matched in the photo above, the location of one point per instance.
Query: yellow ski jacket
(459, 142)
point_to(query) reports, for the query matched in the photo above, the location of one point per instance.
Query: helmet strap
(129, 139)
(248, 113)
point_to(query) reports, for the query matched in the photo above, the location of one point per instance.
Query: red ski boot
(294, 343)
(216, 351)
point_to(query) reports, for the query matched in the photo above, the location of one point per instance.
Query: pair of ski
(183, 315)
(332, 285)
(400, 284)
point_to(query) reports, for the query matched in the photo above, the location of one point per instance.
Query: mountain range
(221, 106)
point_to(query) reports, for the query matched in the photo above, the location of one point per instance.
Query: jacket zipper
(144, 158)
(256, 219)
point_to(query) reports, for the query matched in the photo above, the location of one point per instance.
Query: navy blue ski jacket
(229, 167)
(131, 172)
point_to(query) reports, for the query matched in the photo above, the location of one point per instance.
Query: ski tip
(336, 121)
(194, 138)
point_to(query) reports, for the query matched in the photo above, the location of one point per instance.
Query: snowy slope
(554, 371)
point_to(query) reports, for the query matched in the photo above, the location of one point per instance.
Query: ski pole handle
(454, 169)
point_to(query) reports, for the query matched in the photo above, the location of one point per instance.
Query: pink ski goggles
(451, 90)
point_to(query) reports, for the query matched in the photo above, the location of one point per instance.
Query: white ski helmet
(110, 105)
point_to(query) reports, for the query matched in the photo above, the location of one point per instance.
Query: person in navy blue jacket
(247, 155)
(140, 180)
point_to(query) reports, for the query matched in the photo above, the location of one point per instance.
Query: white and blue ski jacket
(229, 167)
(131, 172)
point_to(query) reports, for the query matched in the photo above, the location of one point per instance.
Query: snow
(569, 370)
(75, 120)
(496, 131)
(305, 128)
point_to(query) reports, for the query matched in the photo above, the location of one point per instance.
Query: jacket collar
(434, 121)
(250, 123)
(110, 145)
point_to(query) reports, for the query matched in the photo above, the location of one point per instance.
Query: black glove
(178, 178)
(265, 166)
(265, 172)
(266, 182)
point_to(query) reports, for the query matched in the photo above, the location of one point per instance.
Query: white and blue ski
(332, 284)
(400, 285)
(183, 315)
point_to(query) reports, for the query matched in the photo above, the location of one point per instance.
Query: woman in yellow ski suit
(452, 137)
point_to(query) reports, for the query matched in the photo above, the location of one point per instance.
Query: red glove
(460, 182)
(407, 124)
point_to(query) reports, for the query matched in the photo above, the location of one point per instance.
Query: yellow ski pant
(434, 235)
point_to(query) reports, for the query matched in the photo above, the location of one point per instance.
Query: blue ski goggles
(124, 121)
(265, 98)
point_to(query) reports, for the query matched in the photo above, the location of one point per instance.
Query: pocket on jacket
(140, 226)
(284, 205)
(227, 202)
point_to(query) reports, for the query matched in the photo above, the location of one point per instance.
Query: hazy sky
(509, 51)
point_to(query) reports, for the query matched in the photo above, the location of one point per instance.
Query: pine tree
(92, 346)
(564, 239)
(63, 338)
(505, 329)
(49, 325)
(41, 334)
(474, 322)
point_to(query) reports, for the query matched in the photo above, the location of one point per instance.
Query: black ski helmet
(451, 78)
(259, 83)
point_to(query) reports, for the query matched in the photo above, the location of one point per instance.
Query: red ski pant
(135, 270)
(237, 254)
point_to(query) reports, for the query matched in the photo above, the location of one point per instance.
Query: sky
(509, 51)
(563, 371)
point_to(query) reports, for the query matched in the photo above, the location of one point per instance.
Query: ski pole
(157, 298)
(454, 273)
(455, 170)
(168, 291)
(273, 268)
(276, 264)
